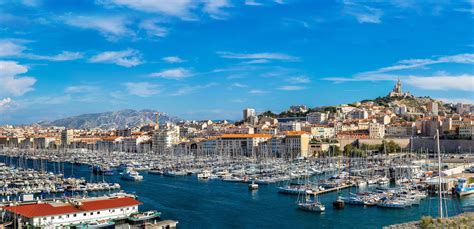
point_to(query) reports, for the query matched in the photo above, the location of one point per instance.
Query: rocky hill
(111, 120)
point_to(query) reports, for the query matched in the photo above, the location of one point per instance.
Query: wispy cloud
(439, 81)
(81, 89)
(363, 13)
(257, 92)
(174, 73)
(172, 59)
(142, 89)
(183, 9)
(239, 85)
(5, 104)
(457, 100)
(126, 58)
(257, 56)
(466, 58)
(177, 8)
(459, 82)
(298, 79)
(291, 88)
(63, 56)
(11, 83)
(10, 48)
(153, 29)
(215, 8)
(253, 3)
(192, 89)
(111, 27)
(17, 48)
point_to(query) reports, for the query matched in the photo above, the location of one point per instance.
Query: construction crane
(157, 115)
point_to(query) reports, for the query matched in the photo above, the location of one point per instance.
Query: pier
(332, 189)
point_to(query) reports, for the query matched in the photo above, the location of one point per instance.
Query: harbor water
(217, 204)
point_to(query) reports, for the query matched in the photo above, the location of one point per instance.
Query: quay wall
(446, 145)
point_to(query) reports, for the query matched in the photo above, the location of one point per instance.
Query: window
(60, 217)
(44, 218)
(85, 214)
(98, 213)
(67, 216)
(74, 215)
(52, 217)
(127, 209)
(92, 213)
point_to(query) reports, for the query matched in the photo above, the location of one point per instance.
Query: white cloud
(280, 2)
(363, 13)
(214, 8)
(177, 8)
(257, 56)
(461, 82)
(172, 59)
(298, 79)
(239, 85)
(457, 100)
(126, 58)
(466, 58)
(63, 56)
(257, 92)
(111, 27)
(152, 29)
(191, 89)
(291, 88)
(437, 81)
(11, 83)
(16, 48)
(142, 89)
(31, 3)
(5, 103)
(252, 3)
(80, 89)
(256, 61)
(10, 48)
(174, 73)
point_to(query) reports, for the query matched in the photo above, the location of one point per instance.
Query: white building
(466, 131)
(164, 139)
(72, 212)
(289, 126)
(358, 114)
(240, 144)
(400, 130)
(249, 113)
(316, 118)
(376, 130)
(67, 136)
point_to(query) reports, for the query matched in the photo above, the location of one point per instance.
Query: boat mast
(440, 208)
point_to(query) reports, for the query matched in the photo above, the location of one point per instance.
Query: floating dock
(332, 189)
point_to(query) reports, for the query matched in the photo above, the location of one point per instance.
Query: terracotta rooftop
(48, 209)
(246, 136)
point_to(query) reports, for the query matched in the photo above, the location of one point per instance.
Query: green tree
(389, 147)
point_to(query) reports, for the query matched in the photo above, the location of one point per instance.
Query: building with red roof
(72, 211)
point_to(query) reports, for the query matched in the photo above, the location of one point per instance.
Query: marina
(170, 195)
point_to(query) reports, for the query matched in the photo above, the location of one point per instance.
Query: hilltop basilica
(397, 90)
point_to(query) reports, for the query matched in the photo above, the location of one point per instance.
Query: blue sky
(209, 59)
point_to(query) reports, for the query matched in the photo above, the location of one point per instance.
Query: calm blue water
(217, 204)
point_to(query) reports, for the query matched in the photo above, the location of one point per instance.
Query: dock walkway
(332, 189)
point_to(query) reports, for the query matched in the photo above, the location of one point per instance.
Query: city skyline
(183, 58)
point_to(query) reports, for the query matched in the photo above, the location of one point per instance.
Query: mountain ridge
(120, 119)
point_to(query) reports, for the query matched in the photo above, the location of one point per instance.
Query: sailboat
(311, 204)
(307, 203)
